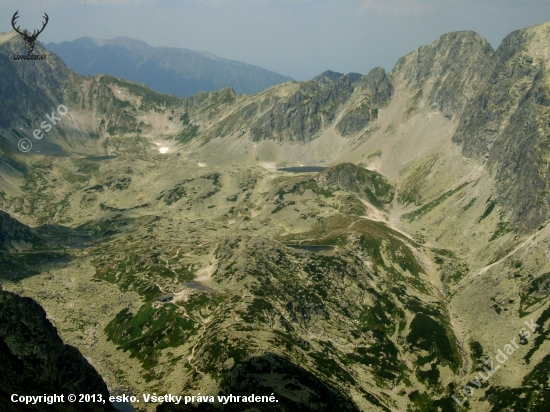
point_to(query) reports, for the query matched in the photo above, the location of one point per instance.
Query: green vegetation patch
(184, 118)
(415, 305)
(477, 352)
(468, 206)
(299, 188)
(352, 206)
(188, 133)
(502, 229)
(174, 194)
(430, 335)
(534, 292)
(331, 368)
(149, 331)
(415, 180)
(289, 340)
(201, 301)
(86, 166)
(377, 238)
(140, 272)
(380, 319)
(543, 334)
(415, 214)
(488, 209)
(296, 388)
(377, 153)
(425, 402)
(382, 357)
(431, 376)
(281, 206)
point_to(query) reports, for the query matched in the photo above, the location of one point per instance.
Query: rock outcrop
(508, 125)
(366, 183)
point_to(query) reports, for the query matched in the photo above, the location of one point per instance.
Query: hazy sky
(297, 38)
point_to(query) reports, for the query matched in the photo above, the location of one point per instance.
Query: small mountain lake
(303, 169)
(80, 242)
(122, 406)
(197, 285)
(312, 248)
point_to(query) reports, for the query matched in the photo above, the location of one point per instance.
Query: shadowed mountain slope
(34, 361)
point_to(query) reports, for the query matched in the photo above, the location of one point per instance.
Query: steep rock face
(35, 361)
(500, 104)
(51, 76)
(512, 82)
(17, 98)
(297, 113)
(508, 124)
(373, 92)
(447, 73)
(304, 114)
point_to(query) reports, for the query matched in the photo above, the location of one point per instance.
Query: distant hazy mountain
(180, 72)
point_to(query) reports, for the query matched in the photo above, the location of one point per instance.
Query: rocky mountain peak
(327, 76)
(445, 75)
(507, 124)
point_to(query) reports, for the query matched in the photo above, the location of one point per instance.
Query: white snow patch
(162, 149)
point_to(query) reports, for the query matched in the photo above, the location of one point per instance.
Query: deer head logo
(29, 39)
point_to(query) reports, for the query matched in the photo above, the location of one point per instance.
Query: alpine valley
(188, 245)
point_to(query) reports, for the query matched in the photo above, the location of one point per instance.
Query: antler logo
(29, 39)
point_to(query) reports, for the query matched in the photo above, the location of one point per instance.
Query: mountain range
(181, 72)
(187, 245)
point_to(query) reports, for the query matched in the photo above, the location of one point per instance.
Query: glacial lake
(303, 169)
(80, 242)
(122, 406)
(197, 285)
